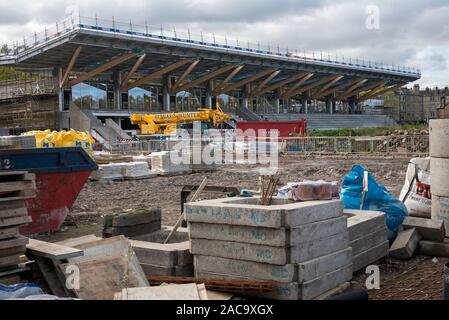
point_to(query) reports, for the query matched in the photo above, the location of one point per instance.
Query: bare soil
(100, 198)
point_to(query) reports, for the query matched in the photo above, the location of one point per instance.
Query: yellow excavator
(167, 123)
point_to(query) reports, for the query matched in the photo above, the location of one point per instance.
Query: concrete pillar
(351, 105)
(328, 105)
(277, 105)
(208, 100)
(209, 90)
(117, 79)
(245, 99)
(166, 94)
(245, 102)
(306, 106)
(60, 100)
(57, 74)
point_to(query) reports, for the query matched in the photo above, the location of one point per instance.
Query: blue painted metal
(48, 160)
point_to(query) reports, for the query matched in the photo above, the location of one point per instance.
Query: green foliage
(7, 73)
(370, 132)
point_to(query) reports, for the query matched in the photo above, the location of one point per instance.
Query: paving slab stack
(301, 245)
(368, 237)
(169, 259)
(132, 223)
(15, 188)
(162, 163)
(137, 170)
(439, 170)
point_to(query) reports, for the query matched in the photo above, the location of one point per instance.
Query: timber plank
(48, 271)
(52, 250)
(13, 242)
(14, 221)
(10, 213)
(101, 278)
(11, 261)
(18, 250)
(17, 186)
(8, 233)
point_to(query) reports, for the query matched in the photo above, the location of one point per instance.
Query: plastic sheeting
(376, 199)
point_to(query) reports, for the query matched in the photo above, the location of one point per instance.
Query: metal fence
(172, 35)
(142, 147)
(23, 87)
(393, 145)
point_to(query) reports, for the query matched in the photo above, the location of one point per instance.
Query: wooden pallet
(15, 188)
(234, 286)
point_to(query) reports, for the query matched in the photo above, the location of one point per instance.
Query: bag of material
(309, 190)
(63, 139)
(376, 199)
(416, 193)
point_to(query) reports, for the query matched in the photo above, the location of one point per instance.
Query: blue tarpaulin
(376, 199)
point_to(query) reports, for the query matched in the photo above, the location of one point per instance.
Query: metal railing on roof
(162, 34)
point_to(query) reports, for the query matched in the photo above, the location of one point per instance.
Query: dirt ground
(100, 198)
(399, 280)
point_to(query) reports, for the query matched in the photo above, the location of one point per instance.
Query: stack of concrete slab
(17, 142)
(159, 259)
(143, 158)
(439, 169)
(368, 237)
(301, 245)
(108, 172)
(137, 170)
(164, 163)
(426, 236)
(132, 223)
(199, 163)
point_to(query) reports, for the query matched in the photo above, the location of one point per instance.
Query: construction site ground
(418, 278)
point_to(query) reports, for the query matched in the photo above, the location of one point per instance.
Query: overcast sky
(413, 33)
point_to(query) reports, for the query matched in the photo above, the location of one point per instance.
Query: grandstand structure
(114, 69)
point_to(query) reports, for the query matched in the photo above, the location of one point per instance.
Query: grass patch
(367, 132)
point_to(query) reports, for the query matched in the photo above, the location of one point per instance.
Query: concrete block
(405, 244)
(370, 256)
(318, 230)
(315, 268)
(168, 255)
(433, 249)
(155, 270)
(133, 231)
(247, 212)
(136, 217)
(256, 235)
(246, 269)
(439, 170)
(440, 211)
(313, 249)
(240, 251)
(368, 241)
(361, 223)
(159, 236)
(428, 229)
(324, 283)
(439, 136)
